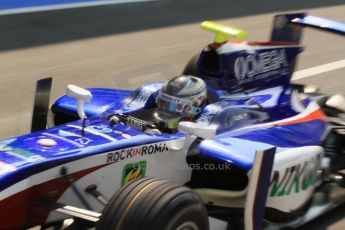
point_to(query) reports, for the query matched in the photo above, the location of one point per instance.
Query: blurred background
(125, 43)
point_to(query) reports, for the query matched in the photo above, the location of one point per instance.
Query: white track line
(318, 70)
(67, 6)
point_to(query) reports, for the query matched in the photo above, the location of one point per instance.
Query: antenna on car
(223, 33)
(81, 95)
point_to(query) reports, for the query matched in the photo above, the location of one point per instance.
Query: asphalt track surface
(126, 45)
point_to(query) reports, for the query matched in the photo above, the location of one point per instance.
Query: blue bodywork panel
(142, 98)
(242, 69)
(109, 101)
(102, 99)
(240, 149)
(289, 136)
(235, 151)
(29, 157)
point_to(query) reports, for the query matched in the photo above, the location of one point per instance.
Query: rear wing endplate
(288, 27)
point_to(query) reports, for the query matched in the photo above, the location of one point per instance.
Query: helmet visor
(176, 106)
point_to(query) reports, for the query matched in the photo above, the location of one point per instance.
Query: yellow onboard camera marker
(223, 33)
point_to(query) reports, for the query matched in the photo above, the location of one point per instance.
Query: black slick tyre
(150, 204)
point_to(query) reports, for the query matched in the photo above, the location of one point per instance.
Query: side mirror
(81, 95)
(199, 130)
(336, 101)
(194, 129)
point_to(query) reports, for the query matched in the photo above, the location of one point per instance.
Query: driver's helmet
(181, 98)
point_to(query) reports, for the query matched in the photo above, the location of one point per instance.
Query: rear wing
(288, 27)
(321, 24)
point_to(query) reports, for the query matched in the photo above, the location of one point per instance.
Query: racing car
(263, 153)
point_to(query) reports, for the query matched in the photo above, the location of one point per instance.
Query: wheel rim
(188, 226)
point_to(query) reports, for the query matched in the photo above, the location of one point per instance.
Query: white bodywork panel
(165, 164)
(294, 177)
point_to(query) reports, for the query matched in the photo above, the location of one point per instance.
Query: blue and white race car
(257, 155)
